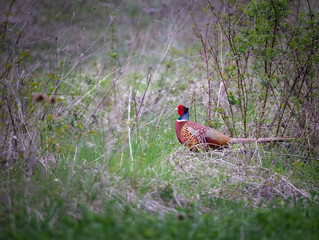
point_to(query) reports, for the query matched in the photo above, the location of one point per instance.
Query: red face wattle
(181, 110)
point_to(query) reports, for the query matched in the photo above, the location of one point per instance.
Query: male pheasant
(193, 134)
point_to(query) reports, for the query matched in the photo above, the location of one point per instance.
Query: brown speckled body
(194, 135)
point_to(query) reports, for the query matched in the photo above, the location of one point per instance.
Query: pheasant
(193, 134)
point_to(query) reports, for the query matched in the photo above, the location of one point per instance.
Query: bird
(195, 135)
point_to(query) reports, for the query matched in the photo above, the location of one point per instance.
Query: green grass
(93, 196)
(96, 191)
(226, 221)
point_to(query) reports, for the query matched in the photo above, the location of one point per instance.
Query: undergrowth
(87, 113)
(223, 223)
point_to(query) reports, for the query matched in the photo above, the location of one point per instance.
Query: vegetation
(87, 111)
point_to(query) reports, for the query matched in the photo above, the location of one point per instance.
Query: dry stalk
(129, 127)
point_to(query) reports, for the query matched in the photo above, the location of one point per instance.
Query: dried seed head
(180, 216)
(52, 99)
(39, 97)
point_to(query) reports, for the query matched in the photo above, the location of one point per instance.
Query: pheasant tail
(260, 140)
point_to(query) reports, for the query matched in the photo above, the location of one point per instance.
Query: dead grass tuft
(235, 174)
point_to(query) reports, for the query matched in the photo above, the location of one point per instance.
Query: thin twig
(128, 126)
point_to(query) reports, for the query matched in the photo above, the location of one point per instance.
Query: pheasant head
(183, 113)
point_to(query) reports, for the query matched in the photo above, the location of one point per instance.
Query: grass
(87, 166)
(226, 221)
(95, 190)
(157, 197)
(195, 197)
